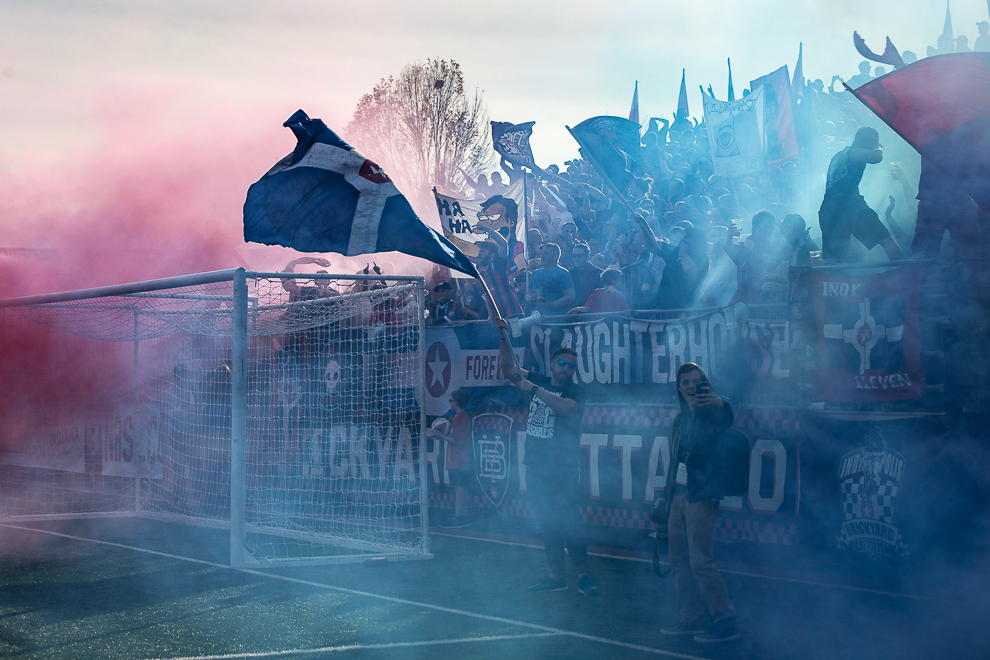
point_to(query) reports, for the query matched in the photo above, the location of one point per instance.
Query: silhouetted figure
(944, 206)
(844, 213)
(863, 76)
(982, 44)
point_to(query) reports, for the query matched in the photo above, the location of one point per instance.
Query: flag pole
(516, 377)
(608, 181)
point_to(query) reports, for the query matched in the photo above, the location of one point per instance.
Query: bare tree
(423, 128)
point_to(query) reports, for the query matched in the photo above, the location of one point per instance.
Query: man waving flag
(326, 197)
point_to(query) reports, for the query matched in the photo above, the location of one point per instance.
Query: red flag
(778, 114)
(941, 106)
(869, 341)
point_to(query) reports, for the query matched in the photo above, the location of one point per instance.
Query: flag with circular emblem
(327, 197)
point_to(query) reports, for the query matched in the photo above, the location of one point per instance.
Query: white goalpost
(285, 408)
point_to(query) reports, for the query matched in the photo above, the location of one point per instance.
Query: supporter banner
(461, 356)
(98, 444)
(461, 218)
(781, 138)
(625, 463)
(869, 337)
(884, 489)
(863, 489)
(735, 132)
(616, 355)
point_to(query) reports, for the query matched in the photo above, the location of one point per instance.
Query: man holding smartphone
(692, 507)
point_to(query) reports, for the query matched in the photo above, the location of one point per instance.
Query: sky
(180, 103)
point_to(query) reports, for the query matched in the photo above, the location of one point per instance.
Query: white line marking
(519, 544)
(360, 647)
(390, 599)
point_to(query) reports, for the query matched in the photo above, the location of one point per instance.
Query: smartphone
(704, 388)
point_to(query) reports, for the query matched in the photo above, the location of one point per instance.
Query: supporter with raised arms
(556, 404)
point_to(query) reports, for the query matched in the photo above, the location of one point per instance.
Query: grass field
(142, 589)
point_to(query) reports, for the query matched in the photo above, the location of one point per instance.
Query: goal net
(285, 408)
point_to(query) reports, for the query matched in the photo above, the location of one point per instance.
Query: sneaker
(586, 586)
(549, 584)
(455, 523)
(683, 629)
(725, 630)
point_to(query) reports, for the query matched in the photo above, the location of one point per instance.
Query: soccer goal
(287, 408)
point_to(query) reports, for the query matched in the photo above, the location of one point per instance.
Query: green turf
(62, 598)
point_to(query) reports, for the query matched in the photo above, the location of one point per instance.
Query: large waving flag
(326, 197)
(941, 106)
(612, 145)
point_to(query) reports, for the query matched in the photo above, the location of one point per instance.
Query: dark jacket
(703, 429)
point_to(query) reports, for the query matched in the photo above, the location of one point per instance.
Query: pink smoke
(161, 195)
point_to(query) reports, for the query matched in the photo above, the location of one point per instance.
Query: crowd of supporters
(685, 237)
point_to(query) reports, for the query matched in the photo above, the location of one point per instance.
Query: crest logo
(869, 481)
(492, 451)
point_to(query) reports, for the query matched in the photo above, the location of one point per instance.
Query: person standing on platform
(556, 404)
(844, 213)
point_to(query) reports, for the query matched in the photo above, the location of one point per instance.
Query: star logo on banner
(437, 369)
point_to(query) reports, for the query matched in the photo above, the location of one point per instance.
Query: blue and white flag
(326, 197)
(612, 145)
